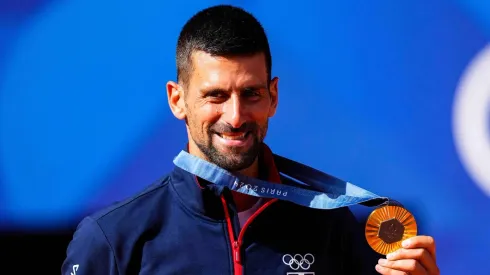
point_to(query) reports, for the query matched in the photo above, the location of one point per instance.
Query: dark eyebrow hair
(213, 90)
(245, 88)
(255, 87)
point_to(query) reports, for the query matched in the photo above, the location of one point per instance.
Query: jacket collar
(201, 197)
(267, 165)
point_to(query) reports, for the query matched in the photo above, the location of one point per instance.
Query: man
(184, 224)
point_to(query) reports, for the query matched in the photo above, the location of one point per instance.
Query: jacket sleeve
(89, 252)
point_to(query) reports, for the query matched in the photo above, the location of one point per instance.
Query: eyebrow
(246, 88)
(255, 87)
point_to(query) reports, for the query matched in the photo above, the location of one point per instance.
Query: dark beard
(236, 160)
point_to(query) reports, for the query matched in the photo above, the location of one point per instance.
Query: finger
(407, 265)
(426, 242)
(419, 254)
(388, 271)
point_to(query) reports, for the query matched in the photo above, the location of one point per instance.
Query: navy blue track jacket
(183, 225)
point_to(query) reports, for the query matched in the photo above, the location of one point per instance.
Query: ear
(175, 96)
(273, 91)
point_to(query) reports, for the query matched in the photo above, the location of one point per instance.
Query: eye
(251, 93)
(216, 94)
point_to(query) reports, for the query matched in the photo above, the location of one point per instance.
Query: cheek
(204, 118)
(259, 112)
(260, 116)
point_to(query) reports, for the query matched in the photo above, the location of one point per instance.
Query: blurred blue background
(393, 96)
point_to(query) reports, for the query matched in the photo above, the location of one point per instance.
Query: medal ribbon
(313, 189)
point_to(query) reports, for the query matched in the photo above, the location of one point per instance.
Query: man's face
(228, 103)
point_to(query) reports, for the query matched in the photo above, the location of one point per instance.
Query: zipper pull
(236, 249)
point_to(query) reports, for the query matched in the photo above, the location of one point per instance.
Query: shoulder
(97, 235)
(137, 207)
(119, 217)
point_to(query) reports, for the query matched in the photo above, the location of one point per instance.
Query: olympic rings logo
(298, 261)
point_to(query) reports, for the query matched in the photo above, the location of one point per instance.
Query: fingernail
(379, 268)
(390, 256)
(406, 243)
(382, 261)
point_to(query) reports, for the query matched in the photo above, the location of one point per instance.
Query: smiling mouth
(234, 136)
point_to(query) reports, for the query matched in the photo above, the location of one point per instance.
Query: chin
(231, 158)
(234, 161)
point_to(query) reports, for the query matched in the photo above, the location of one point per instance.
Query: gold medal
(389, 225)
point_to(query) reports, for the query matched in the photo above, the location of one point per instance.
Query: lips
(243, 139)
(233, 136)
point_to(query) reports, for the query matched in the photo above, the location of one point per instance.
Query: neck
(252, 170)
(242, 201)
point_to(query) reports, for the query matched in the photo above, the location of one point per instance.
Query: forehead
(231, 72)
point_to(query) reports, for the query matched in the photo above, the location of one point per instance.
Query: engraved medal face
(388, 226)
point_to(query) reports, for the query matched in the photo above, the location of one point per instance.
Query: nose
(233, 112)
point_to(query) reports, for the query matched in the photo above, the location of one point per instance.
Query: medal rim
(397, 244)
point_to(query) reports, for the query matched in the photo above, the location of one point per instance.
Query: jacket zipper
(236, 243)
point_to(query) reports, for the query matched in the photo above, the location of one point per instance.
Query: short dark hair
(221, 30)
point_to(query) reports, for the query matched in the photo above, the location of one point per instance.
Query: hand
(417, 257)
